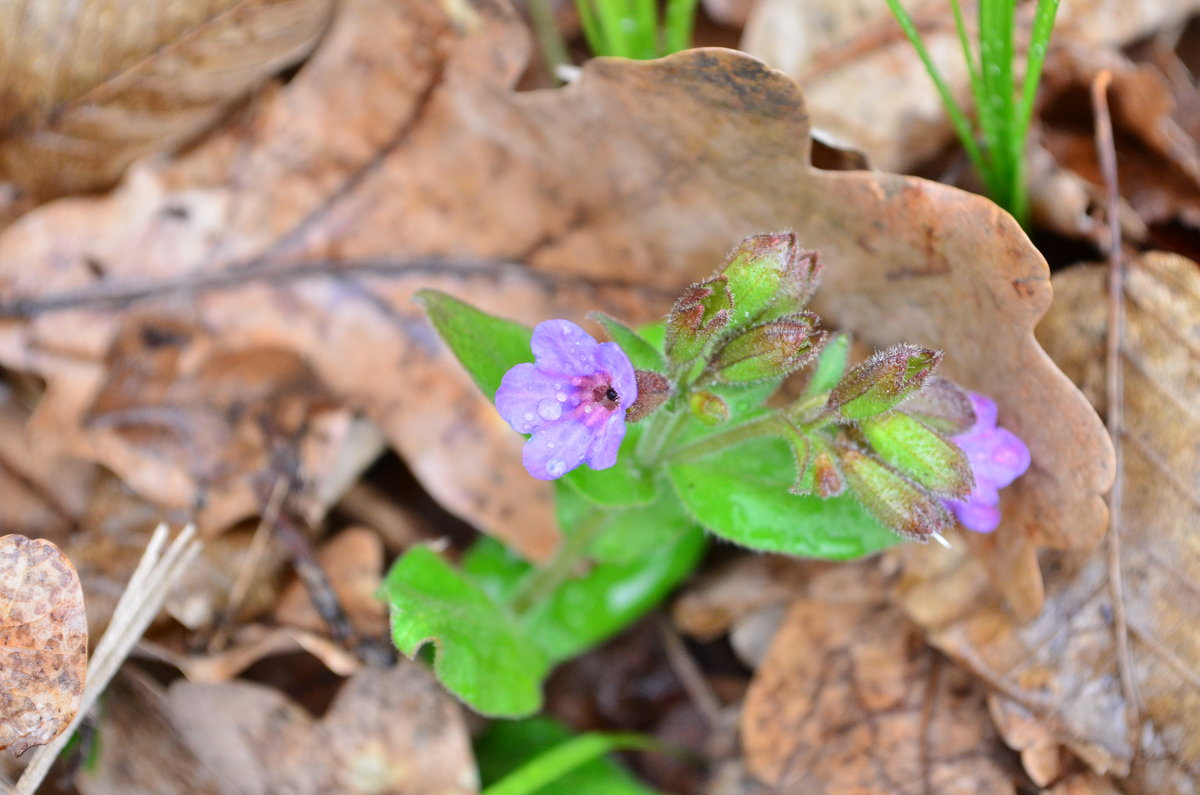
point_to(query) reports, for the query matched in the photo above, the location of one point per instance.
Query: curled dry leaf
(1064, 670)
(850, 699)
(387, 731)
(292, 234)
(92, 85)
(43, 642)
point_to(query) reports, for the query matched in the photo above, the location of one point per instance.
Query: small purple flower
(573, 400)
(997, 456)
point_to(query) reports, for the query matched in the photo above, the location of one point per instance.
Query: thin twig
(1115, 389)
(148, 587)
(316, 581)
(250, 562)
(690, 675)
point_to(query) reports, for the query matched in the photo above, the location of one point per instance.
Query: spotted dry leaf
(1059, 678)
(293, 233)
(92, 85)
(850, 699)
(43, 642)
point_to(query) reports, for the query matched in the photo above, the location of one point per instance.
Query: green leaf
(486, 345)
(540, 757)
(628, 534)
(643, 354)
(585, 611)
(509, 745)
(482, 655)
(742, 495)
(619, 485)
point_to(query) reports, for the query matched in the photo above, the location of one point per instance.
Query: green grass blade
(1039, 43)
(680, 17)
(592, 30)
(645, 16)
(957, 119)
(562, 759)
(968, 54)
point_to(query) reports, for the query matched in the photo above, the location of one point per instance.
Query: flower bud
(919, 452)
(652, 391)
(772, 349)
(898, 503)
(881, 382)
(942, 405)
(710, 409)
(700, 312)
(770, 276)
(827, 480)
(802, 450)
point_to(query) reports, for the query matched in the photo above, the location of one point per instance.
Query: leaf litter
(240, 312)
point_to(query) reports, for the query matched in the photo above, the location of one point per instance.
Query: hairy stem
(543, 581)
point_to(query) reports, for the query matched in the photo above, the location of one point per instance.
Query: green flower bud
(699, 314)
(710, 409)
(898, 503)
(881, 382)
(919, 452)
(770, 276)
(652, 391)
(942, 405)
(772, 349)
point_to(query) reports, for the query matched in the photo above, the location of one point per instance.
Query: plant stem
(554, 52)
(650, 448)
(542, 581)
(736, 435)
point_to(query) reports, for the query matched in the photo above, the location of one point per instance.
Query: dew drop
(561, 397)
(549, 410)
(558, 385)
(550, 445)
(529, 416)
(587, 409)
(576, 381)
(555, 468)
(566, 330)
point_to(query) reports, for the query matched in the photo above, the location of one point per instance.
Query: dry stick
(249, 562)
(316, 581)
(153, 578)
(1114, 387)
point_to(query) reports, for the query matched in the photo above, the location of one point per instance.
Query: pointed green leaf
(509, 745)
(486, 345)
(482, 656)
(742, 495)
(643, 354)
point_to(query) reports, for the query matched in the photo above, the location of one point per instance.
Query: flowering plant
(664, 436)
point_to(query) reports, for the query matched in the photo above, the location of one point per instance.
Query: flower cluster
(573, 400)
(997, 456)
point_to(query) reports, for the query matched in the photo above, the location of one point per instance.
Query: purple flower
(997, 456)
(573, 400)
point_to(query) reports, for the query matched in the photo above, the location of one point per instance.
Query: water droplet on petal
(529, 416)
(576, 381)
(587, 409)
(561, 397)
(550, 445)
(556, 468)
(549, 410)
(566, 331)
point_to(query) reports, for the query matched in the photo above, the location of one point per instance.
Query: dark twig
(320, 589)
(1115, 395)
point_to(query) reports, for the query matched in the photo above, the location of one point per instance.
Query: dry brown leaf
(1063, 670)
(288, 233)
(43, 642)
(91, 86)
(850, 699)
(865, 83)
(387, 731)
(353, 561)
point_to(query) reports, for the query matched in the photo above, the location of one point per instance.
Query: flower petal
(556, 448)
(977, 517)
(522, 395)
(614, 361)
(607, 441)
(563, 348)
(985, 412)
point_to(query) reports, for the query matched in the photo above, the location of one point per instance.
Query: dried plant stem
(139, 604)
(1115, 394)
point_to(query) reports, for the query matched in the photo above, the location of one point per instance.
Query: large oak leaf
(400, 157)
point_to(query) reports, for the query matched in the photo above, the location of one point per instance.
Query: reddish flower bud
(898, 503)
(700, 312)
(772, 349)
(883, 381)
(652, 391)
(770, 276)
